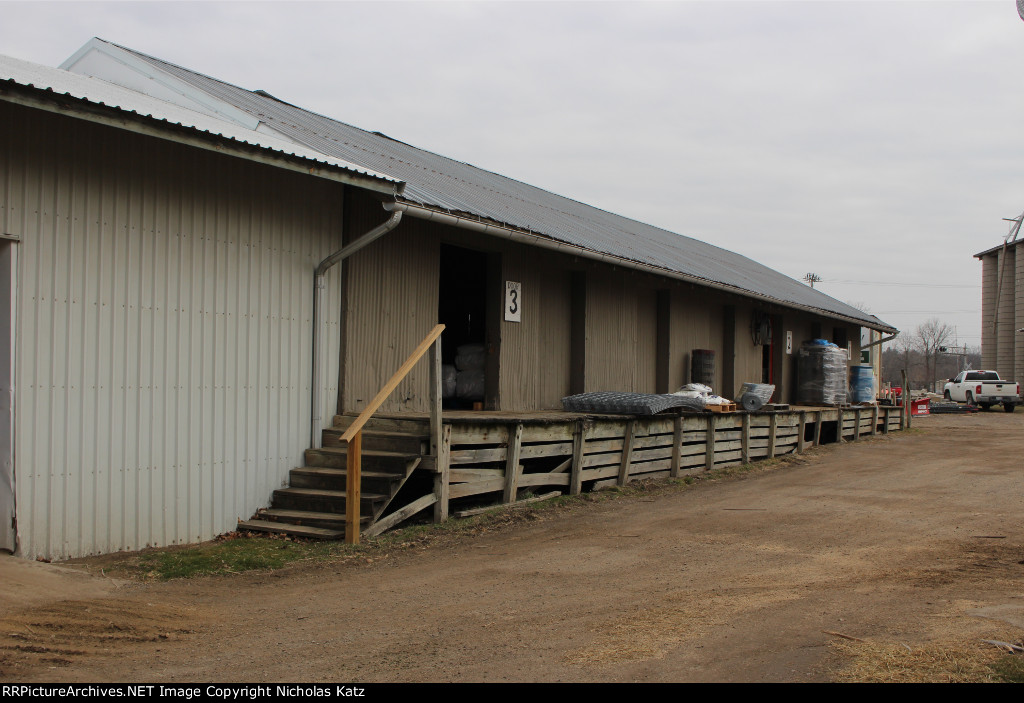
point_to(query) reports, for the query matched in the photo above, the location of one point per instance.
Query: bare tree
(929, 336)
(907, 358)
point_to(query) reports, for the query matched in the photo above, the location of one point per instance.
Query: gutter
(534, 240)
(319, 294)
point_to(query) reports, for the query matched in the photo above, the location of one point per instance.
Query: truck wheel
(947, 396)
(970, 398)
(1008, 407)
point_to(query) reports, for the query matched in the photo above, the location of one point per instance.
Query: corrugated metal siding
(748, 356)
(535, 353)
(696, 324)
(1007, 314)
(163, 347)
(621, 333)
(1017, 282)
(800, 326)
(390, 306)
(989, 278)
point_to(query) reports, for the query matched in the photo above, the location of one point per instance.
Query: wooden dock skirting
(540, 454)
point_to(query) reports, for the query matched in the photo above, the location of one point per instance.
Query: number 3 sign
(513, 301)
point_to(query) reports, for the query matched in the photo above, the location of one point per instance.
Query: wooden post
(905, 415)
(353, 466)
(627, 453)
(745, 438)
(874, 420)
(801, 426)
(677, 441)
(709, 455)
(842, 426)
(773, 425)
(578, 444)
(515, 439)
(885, 422)
(435, 397)
(817, 429)
(441, 487)
(856, 424)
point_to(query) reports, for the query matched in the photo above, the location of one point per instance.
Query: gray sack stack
(470, 360)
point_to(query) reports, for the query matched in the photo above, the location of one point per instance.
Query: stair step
(286, 528)
(372, 459)
(322, 500)
(405, 442)
(331, 521)
(385, 424)
(335, 479)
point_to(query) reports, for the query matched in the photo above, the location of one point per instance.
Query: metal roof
(101, 93)
(999, 247)
(452, 186)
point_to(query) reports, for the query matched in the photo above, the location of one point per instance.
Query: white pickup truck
(984, 389)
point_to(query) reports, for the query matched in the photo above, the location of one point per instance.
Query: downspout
(880, 341)
(319, 293)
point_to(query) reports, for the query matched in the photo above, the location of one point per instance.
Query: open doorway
(469, 342)
(768, 329)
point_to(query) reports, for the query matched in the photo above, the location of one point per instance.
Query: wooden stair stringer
(410, 467)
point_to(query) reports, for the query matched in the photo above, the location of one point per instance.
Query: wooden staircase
(314, 503)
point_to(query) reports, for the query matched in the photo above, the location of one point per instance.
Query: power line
(899, 283)
(924, 312)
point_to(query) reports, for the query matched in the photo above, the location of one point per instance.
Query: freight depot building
(161, 233)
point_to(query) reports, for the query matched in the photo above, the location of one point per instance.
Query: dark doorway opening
(462, 309)
(766, 363)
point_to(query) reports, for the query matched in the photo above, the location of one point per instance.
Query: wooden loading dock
(573, 452)
(498, 458)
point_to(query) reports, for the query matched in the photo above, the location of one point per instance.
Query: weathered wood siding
(535, 353)
(697, 323)
(621, 332)
(390, 304)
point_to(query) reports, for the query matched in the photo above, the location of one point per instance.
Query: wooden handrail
(390, 386)
(353, 436)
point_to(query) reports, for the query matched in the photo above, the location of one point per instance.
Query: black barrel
(702, 367)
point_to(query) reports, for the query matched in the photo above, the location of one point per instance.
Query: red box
(920, 407)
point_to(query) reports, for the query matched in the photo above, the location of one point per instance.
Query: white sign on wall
(789, 342)
(513, 301)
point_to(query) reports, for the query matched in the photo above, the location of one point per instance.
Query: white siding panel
(165, 323)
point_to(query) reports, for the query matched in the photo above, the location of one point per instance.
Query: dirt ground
(914, 540)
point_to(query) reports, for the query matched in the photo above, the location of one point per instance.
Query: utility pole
(812, 278)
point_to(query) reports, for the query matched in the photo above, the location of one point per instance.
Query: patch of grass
(1009, 668)
(872, 662)
(235, 555)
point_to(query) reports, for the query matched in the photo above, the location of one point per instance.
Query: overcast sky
(876, 144)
